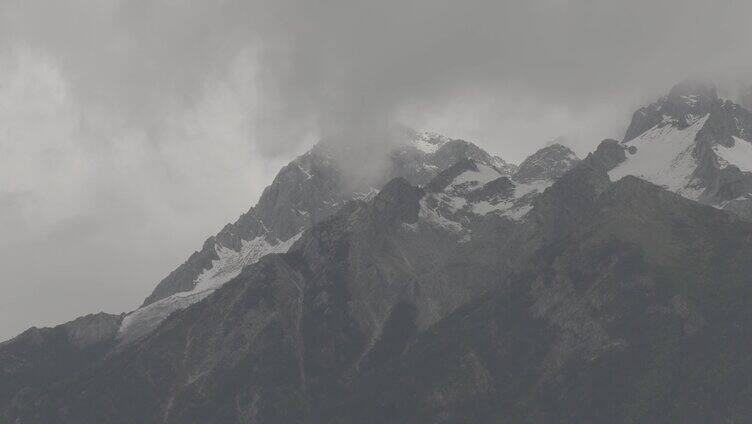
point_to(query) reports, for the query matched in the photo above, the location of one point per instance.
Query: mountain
(446, 286)
(606, 302)
(309, 189)
(469, 190)
(693, 143)
(632, 306)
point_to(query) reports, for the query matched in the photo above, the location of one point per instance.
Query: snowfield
(739, 155)
(473, 179)
(664, 157)
(225, 268)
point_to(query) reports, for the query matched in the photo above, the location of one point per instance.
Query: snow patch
(429, 143)
(739, 155)
(454, 202)
(518, 205)
(485, 207)
(430, 216)
(231, 262)
(225, 268)
(664, 157)
(519, 212)
(483, 175)
(538, 186)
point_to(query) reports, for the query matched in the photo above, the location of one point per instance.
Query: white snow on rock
(533, 187)
(430, 216)
(429, 143)
(228, 266)
(453, 204)
(516, 206)
(143, 320)
(664, 157)
(484, 207)
(739, 155)
(474, 179)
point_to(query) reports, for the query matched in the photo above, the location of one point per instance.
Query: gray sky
(132, 130)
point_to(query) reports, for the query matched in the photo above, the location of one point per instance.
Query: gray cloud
(325, 65)
(153, 123)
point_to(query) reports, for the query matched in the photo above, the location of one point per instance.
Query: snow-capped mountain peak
(429, 142)
(306, 191)
(693, 143)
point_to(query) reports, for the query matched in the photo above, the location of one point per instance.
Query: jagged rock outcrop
(548, 163)
(611, 153)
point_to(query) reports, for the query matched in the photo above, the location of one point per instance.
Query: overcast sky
(132, 130)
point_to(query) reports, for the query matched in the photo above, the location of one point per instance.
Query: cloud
(328, 65)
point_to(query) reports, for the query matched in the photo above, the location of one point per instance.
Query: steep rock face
(611, 153)
(244, 242)
(304, 191)
(685, 101)
(548, 163)
(311, 188)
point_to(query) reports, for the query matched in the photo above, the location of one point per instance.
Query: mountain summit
(693, 143)
(306, 191)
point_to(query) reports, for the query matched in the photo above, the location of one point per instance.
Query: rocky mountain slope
(448, 287)
(306, 191)
(309, 189)
(604, 302)
(636, 309)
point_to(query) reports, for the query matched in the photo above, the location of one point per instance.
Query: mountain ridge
(305, 354)
(465, 289)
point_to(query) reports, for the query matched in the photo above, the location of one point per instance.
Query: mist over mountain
(130, 130)
(414, 211)
(443, 285)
